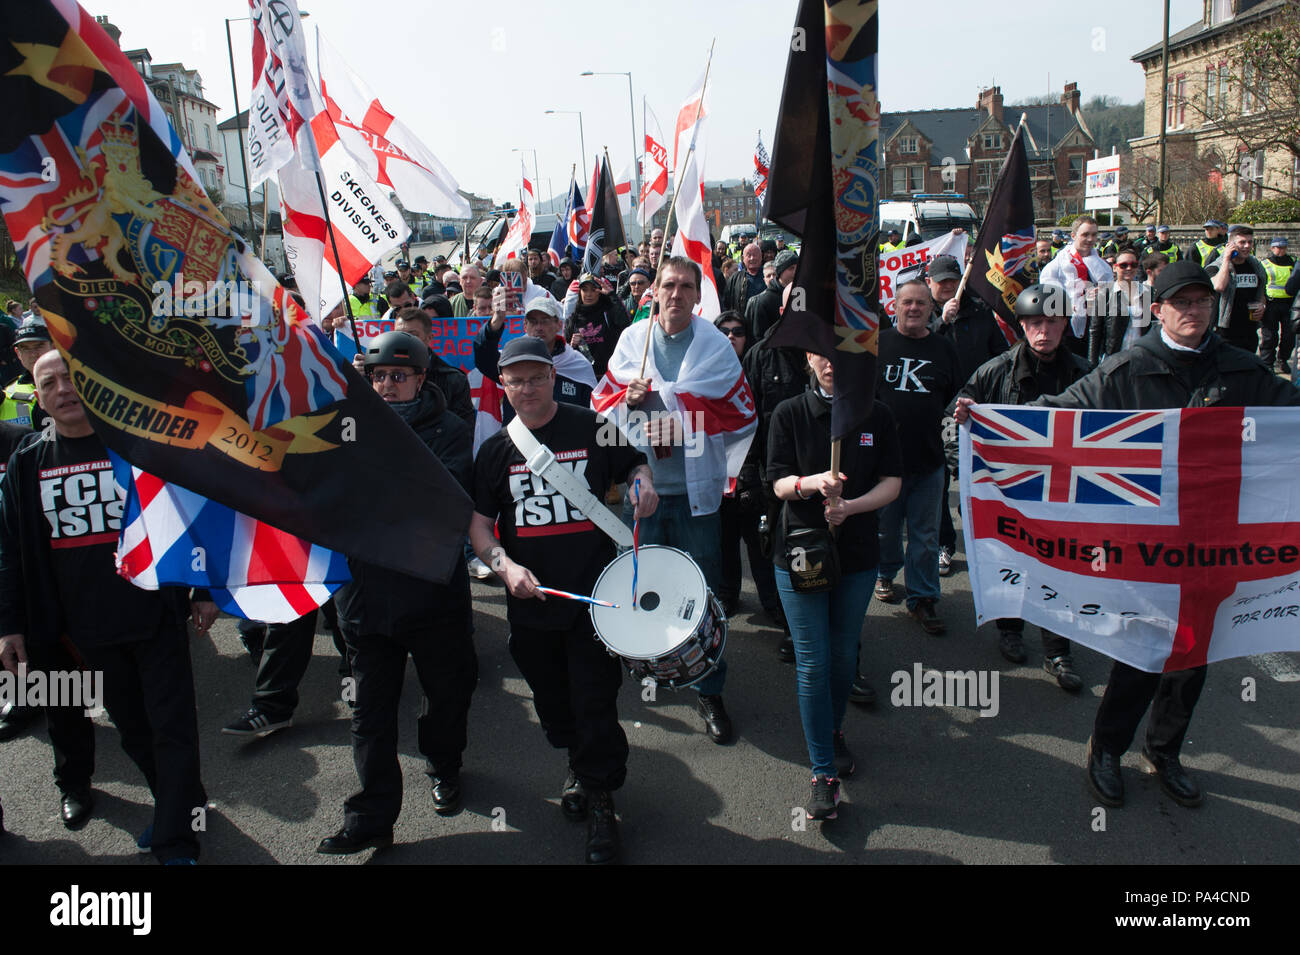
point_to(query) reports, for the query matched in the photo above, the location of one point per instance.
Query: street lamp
(631, 109)
(537, 176)
(239, 130)
(582, 139)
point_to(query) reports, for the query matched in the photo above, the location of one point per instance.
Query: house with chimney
(961, 150)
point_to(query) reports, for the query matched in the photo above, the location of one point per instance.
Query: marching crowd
(1109, 323)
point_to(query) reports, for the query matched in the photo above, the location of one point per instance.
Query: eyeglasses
(1190, 304)
(521, 384)
(1126, 265)
(734, 331)
(398, 376)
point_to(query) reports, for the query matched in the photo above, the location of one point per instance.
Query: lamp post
(239, 130)
(631, 108)
(582, 140)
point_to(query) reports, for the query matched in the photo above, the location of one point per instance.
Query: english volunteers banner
(823, 187)
(193, 363)
(1165, 539)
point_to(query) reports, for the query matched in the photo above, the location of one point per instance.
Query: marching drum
(677, 631)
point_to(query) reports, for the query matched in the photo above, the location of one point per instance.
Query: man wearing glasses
(386, 615)
(545, 541)
(1183, 364)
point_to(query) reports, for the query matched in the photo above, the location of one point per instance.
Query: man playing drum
(574, 680)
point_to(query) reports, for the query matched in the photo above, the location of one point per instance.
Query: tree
(1193, 188)
(1255, 99)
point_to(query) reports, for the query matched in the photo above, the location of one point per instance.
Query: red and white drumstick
(568, 596)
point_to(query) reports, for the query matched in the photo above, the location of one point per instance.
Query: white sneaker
(479, 570)
(945, 561)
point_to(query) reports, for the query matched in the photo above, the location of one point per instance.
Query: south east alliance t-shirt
(538, 527)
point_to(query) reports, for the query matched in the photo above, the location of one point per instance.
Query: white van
(927, 216)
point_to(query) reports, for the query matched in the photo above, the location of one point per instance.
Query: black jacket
(1109, 324)
(1152, 376)
(774, 374)
(735, 294)
(762, 311)
(975, 332)
(1014, 378)
(382, 601)
(604, 322)
(454, 386)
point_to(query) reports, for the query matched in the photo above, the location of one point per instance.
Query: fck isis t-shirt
(539, 528)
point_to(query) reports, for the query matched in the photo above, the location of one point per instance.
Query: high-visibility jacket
(19, 398)
(1205, 251)
(1173, 253)
(1278, 275)
(368, 309)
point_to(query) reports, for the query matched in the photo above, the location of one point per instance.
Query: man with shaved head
(748, 280)
(471, 279)
(60, 515)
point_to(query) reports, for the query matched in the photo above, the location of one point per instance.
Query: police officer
(363, 305)
(1207, 249)
(893, 242)
(386, 615)
(1166, 247)
(1034, 366)
(19, 407)
(1146, 243)
(1059, 241)
(1183, 364)
(1278, 266)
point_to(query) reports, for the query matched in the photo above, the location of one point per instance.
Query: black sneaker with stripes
(256, 723)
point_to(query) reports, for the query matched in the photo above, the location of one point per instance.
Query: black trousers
(1277, 337)
(741, 523)
(1171, 697)
(149, 695)
(1054, 645)
(286, 653)
(72, 734)
(447, 668)
(575, 692)
(947, 532)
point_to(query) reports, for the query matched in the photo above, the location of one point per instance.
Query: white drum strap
(540, 460)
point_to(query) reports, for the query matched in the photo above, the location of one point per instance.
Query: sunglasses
(734, 331)
(397, 376)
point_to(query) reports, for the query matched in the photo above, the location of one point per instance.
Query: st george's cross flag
(654, 172)
(521, 227)
(1163, 539)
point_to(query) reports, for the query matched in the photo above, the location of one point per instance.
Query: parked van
(927, 216)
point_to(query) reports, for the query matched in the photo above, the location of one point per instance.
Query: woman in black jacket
(595, 319)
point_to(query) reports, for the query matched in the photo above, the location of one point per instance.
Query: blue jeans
(673, 525)
(825, 628)
(918, 502)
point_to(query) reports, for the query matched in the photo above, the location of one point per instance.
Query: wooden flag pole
(835, 472)
(654, 312)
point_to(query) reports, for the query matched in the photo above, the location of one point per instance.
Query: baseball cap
(1058, 234)
(1278, 240)
(587, 278)
(32, 330)
(403, 264)
(419, 259)
(943, 267)
(544, 303)
(364, 280)
(1121, 230)
(1178, 276)
(1163, 228)
(640, 271)
(1213, 224)
(525, 348)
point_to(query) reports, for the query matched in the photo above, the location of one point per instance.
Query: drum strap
(540, 460)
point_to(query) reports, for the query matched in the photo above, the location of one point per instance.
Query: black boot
(602, 828)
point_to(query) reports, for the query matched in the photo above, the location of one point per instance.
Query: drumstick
(568, 596)
(636, 535)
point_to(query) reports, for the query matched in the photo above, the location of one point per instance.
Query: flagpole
(965, 275)
(676, 191)
(622, 227)
(640, 208)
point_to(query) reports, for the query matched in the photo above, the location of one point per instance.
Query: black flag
(823, 187)
(606, 229)
(1006, 242)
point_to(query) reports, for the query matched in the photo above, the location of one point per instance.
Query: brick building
(961, 150)
(1210, 89)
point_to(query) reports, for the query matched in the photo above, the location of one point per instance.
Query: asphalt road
(934, 784)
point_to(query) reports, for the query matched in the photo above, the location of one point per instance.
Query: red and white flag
(710, 397)
(762, 168)
(692, 238)
(521, 229)
(623, 189)
(366, 224)
(692, 112)
(282, 102)
(392, 155)
(654, 174)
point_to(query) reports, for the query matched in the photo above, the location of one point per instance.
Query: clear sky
(474, 78)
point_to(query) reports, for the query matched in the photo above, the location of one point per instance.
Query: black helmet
(1039, 300)
(397, 348)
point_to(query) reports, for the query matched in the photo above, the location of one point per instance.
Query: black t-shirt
(539, 528)
(84, 514)
(919, 377)
(799, 443)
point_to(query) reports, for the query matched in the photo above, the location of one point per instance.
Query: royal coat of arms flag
(193, 363)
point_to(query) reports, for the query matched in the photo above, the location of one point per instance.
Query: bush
(1067, 221)
(1267, 210)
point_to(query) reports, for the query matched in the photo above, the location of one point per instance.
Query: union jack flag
(1017, 248)
(1083, 457)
